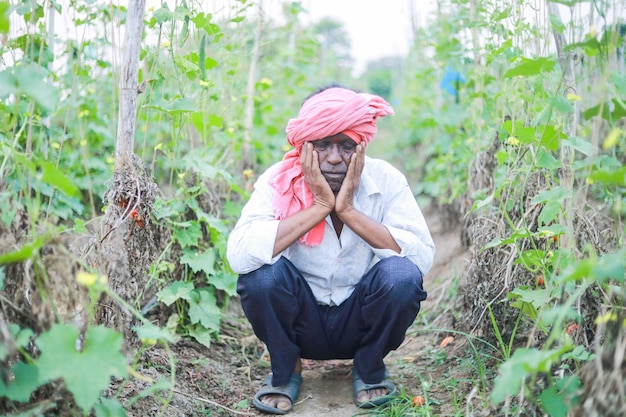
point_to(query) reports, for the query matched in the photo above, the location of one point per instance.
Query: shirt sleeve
(251, 242)
(405, 221)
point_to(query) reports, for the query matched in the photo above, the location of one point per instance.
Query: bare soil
(222, 380)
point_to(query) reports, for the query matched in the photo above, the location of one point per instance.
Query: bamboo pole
(128, 82)
(247, 154)
(571, 126)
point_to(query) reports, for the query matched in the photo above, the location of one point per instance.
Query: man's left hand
(344, 201)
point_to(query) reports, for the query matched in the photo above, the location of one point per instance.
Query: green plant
(84, 361)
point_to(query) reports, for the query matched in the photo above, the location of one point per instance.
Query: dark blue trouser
(367, 326)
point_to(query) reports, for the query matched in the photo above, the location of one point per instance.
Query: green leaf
(188, 234)
(551, 137)
(550, 212)
(225, 282)
(203, 310)
(153, 332)
(546, 160)
(525, 134)
(531, 257)
(610, 177)
(497, 241)
(604, 110)
(175, 291)
(537, 297)
(578, 354)
(23, 385)
(577, 271)
(79, 226)
(558, 399)
(557, 193)
(619, 81)
(609, 267)
(176, 106)
(523, 363)
(21, 337)
(4, 17)
(87, 372)
(582, 145)
(480, 203)
(109, 408)
(53, 176)
(204, 261)
(561, 104)
(528, 67)
(591, 46)
(25, 252)
(202, 20)
(162, 15)
(555, 229)
(29, 81)
(557, 23)
(552, 403)
(199, 164)
(201, 334)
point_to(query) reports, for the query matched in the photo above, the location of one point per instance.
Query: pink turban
(332, 111)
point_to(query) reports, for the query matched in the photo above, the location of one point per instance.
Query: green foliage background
(512, 97)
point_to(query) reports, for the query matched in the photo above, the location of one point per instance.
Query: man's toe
(277, 401)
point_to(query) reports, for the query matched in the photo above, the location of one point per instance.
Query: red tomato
(418, 401)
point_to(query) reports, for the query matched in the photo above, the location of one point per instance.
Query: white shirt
(333, 268)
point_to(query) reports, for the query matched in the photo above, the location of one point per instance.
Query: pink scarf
(332, 111)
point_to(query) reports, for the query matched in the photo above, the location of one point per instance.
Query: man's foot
(367, 395)
(273, 402)
(371, 395)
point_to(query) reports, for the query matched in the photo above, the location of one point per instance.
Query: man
(331, 250)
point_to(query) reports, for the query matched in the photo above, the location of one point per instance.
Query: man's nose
(334, 155)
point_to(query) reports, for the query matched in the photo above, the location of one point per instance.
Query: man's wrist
(322, 207)
(347, 214)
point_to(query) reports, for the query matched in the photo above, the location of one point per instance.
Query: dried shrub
(604, 378)
(128, 242)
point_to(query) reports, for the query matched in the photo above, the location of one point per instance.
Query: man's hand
(322, 193)
(344, 201)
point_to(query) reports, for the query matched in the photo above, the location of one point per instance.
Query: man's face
(334, 156)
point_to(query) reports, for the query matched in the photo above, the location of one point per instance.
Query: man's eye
(349, 146)
(320, 145)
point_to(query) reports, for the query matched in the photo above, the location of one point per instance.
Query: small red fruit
(446, 341)
(571, 329)
(418, 401)
(137, 217)
(540, 279)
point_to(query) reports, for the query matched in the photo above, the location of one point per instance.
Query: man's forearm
(371, 231)
(295, 226)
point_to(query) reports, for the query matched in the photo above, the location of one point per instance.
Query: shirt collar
(367, 186)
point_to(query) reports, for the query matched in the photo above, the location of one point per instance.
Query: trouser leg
(388, 299)
(283, 313)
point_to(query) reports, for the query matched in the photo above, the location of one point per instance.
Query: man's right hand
(322, 193)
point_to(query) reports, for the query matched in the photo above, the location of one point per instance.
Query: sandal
(358, 385)
(289, 390)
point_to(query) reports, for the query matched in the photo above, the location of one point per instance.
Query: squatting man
(330, 250)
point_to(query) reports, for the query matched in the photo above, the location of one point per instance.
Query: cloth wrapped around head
(332, 111)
